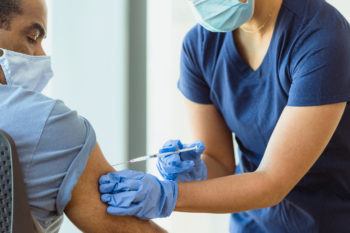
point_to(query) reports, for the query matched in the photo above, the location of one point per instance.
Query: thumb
(199, 145)
(186, 166)
(198, 149)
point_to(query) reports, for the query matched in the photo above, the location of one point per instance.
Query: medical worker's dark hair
(8, 10)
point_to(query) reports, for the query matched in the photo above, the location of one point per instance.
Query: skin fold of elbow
(275, 191)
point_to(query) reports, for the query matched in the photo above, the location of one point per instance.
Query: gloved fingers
(186, 166)
(165, 174)
(171, 146)
(199, 145)
(108, 187)
(171, 172)
(180, 167)
(106, 198)
(174, 143)
(123, 199)
(193, 154)
(154, 199)
(111, 177)
(124, 185)
(170, 163)
(170, 160)
(129, 185)
(117, 177)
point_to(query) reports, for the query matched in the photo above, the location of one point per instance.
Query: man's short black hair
(9, 9)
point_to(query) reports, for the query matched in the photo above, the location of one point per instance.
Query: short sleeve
(58, 161)
(192, 83)
(320, 68)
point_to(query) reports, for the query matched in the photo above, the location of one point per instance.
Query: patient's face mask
(222, 15)
(30, 72)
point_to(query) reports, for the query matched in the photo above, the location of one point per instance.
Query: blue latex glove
(188, 166)
(138, 194)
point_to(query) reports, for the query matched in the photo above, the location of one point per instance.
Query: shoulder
(313, 21)
(321, 29)
(28, 107)
(24, 113)
(61, 154)
(313, 11)
(201, 48)
(194, 35)
(322, 23)
(322, 14)
(64, 128)
(37, 113)
(200, 39)
(14, 96)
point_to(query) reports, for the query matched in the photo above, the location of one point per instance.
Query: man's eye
(33, 37)
(31, 40)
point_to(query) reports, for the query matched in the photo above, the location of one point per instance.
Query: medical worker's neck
(265, 14)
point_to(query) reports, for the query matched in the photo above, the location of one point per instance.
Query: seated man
(58, 152)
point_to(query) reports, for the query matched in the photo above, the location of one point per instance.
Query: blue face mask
(30, 72)
(222, 15)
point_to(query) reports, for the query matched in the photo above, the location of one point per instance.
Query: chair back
(15, 216)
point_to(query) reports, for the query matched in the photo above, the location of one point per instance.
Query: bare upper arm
(209, 126)
(299, 138)
(89, 214)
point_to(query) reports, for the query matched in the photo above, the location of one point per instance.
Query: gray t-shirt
(53, 145)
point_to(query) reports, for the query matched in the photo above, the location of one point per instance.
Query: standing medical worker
(277, 75)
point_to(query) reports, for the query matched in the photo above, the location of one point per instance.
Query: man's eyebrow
(39, 27)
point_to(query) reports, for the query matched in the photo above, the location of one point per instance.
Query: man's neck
(265, 14)
(2, 78)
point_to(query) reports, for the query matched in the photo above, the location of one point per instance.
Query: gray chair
(15, 214)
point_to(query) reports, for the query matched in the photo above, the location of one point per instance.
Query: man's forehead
(36, 11)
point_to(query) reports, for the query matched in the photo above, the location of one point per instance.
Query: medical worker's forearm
(228, 194)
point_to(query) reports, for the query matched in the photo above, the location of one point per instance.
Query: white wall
(168, 22)
(87, 42)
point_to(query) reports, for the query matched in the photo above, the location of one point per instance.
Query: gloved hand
(138, 194)
(188, 166)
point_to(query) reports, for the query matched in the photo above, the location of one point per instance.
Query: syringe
(159, 155)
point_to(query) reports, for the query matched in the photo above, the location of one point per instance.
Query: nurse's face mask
(30, 72)
(222, 15)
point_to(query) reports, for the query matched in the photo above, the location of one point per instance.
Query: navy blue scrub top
(307, 64)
